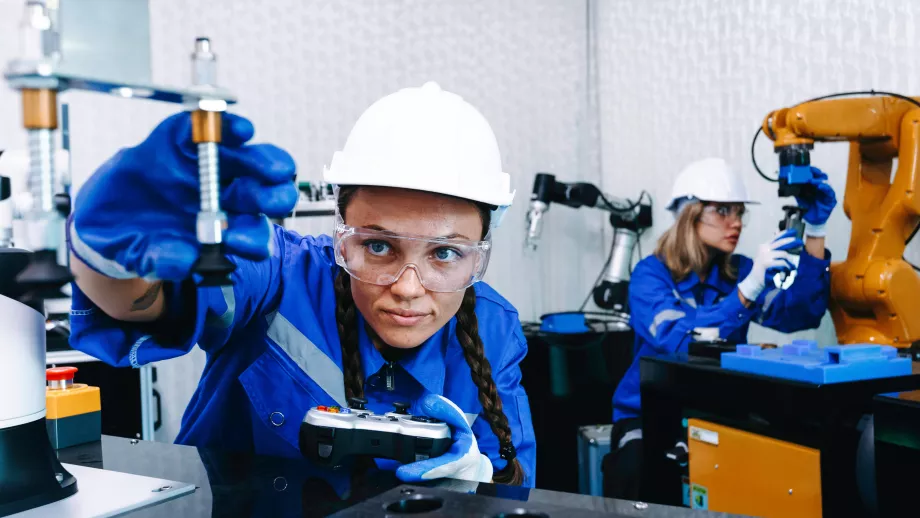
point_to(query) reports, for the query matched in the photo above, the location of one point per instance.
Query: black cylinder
(30, 474)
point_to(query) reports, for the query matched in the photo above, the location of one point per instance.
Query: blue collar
(425, 363)
(713, 280)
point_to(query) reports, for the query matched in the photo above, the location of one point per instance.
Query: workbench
(246, 485)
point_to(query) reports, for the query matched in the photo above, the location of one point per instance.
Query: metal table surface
(242, 484)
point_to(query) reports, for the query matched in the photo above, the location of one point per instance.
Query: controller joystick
(401, 408)
(357, 403)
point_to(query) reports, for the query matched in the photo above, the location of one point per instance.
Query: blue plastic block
(564, 323)
(803, 360)
(796, 174)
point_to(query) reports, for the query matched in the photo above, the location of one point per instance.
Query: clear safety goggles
(724, 215)
(381, 257)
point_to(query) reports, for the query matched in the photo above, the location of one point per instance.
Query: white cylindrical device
(22, 371)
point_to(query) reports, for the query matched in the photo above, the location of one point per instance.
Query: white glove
(462, 461)
(771, 258)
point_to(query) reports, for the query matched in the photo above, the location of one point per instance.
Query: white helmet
(709, 179)
(425, 139)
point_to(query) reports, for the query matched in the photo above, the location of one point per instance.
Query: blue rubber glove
(135, 217)
(771, 258)
(819, 208)
(462, 461)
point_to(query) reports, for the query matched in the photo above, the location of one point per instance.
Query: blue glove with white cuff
(819, 208)
(462, 461)
(135, 217)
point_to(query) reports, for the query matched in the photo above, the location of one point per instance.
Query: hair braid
(481, 371)
(346, 316)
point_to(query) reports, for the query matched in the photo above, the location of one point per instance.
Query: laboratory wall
(305, 69)
(680, 80)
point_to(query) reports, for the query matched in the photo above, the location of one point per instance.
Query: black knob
(213, 266)
(678, 454)
(62, 204)
(5, 189)
(401, 407)
(356, 403)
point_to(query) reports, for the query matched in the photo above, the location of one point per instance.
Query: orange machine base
(739, 472)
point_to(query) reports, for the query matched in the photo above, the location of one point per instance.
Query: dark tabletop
(242, 484)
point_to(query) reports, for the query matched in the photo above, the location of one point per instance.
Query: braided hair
(346, 316)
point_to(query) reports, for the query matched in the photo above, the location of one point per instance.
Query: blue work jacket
(273, 352)
(665, 313)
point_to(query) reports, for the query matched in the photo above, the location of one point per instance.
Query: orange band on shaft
(205, 126)
(39, 109)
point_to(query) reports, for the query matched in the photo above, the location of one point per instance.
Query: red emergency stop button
(60, 373)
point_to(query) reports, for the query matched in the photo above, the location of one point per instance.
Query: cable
(754, 157)
(614, 208)
(644, 194)
(599, 275)
(823, 97)
(865, 92)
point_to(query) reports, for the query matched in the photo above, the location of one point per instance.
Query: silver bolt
(717, 466)
(640, 505)
(790, 491)
(211, 221)
(134, 441)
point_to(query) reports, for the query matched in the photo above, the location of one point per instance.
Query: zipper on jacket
(391, 376)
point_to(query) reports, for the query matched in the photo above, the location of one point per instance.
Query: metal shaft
(41, 171)
(209, 177)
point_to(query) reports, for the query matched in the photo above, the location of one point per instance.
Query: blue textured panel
(802, 360)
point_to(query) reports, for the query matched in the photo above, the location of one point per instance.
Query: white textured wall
(304, 71)
(685, 79)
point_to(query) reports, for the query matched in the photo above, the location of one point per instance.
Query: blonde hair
(683, 252)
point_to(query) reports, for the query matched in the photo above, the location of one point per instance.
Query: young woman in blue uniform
(690, 285)
(389, 308)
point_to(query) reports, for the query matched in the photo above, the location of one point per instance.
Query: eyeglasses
(725, 214)
(381, 257)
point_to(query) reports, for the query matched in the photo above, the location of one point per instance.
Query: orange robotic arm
(874, 291)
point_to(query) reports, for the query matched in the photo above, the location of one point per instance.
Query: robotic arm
(627, 218)
(873, 291)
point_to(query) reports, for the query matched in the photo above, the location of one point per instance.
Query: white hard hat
(425, 139)
(709, 179)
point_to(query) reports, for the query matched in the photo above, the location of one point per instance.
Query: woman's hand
(462, 461)
(136, 216)
(817, 208)
(772, 257)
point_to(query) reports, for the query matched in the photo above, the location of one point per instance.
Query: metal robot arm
(627, 218)
(873, 292)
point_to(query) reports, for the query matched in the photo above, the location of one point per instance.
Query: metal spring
(41, 170)
(208, 177)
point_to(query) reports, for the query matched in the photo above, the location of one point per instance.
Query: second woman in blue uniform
(694, 284)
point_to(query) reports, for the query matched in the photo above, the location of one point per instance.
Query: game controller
(330, 434)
